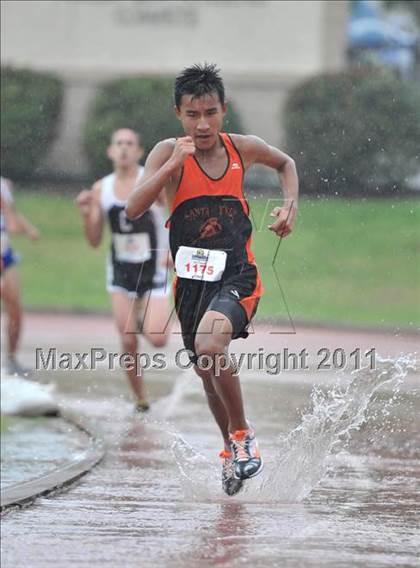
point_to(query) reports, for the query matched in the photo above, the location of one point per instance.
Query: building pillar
(66, 157)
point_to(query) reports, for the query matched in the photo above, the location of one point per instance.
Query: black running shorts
(236, 296)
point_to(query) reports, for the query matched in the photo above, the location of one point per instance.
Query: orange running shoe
(230, 483)
(247, 460)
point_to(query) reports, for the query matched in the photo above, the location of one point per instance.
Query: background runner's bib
(133, 248)
(200, 264)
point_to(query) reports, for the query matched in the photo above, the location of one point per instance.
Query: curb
(26, 492)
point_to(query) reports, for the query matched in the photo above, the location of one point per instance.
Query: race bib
(133, 248)
(200, 264)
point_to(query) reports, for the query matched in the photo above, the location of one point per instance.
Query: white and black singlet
(134, 265)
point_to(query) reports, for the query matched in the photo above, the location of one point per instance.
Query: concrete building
(262, 47)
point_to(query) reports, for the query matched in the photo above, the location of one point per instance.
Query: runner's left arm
(11, 220)
(254, 150)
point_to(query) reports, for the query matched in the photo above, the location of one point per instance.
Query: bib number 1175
(199, 268)
(200, 264)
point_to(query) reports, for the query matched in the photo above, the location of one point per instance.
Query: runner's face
(124, 150)
(202, 119)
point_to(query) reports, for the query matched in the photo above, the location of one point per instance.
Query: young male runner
(218, 287)
(12, 221)
(136, 267)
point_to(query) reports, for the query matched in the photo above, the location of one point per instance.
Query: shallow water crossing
(340, 487)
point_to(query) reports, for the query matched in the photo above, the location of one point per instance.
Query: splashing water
(200, 478)
(168, 406)
(301, 457)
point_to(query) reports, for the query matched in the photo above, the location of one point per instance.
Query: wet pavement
(341, 485)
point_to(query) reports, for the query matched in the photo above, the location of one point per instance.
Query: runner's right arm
(89, 203)
(162, 165)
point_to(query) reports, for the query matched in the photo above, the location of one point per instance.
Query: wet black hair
(199, 80)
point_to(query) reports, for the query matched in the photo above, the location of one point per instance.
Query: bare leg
(213, 337)
(10, 294)
(215, 404)
(125, 315)
(156, 325)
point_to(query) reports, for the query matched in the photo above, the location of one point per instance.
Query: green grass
(6, 422)
(354, 262)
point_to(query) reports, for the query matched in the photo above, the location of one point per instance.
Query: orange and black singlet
(214, 214)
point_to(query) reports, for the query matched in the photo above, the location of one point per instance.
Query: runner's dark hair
(199, 80)
(136, 132)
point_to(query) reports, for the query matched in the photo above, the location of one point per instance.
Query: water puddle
(302, 457)
(340, 485)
